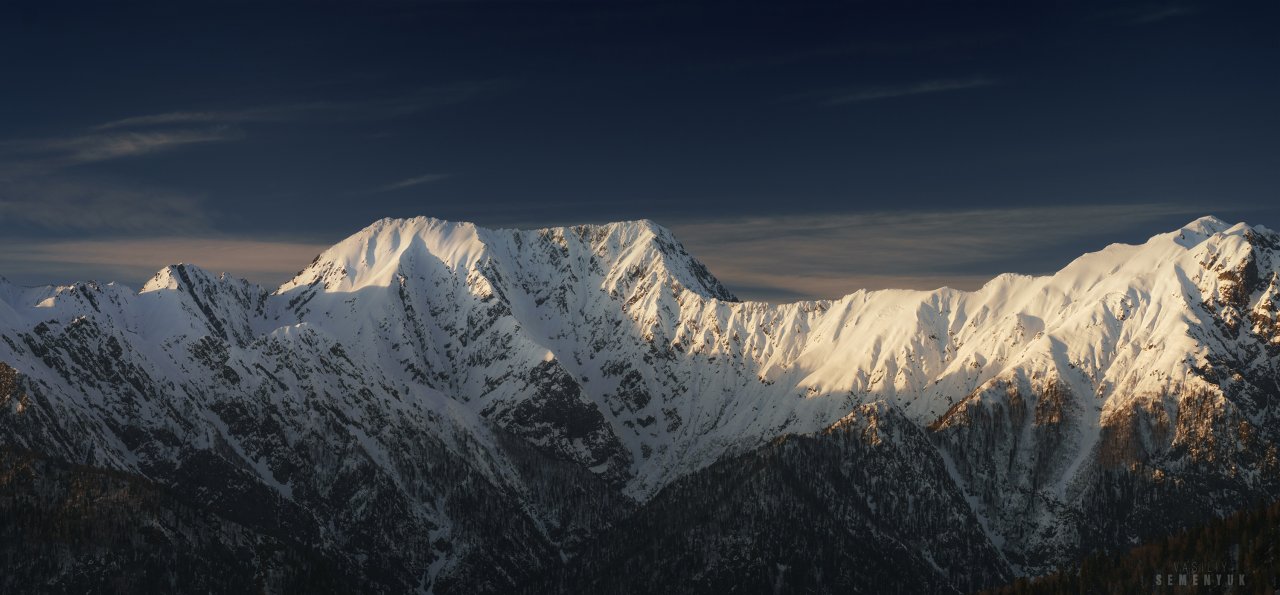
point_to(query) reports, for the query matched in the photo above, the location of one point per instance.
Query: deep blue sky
(126, 127)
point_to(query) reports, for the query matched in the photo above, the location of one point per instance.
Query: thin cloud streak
(83, 207)
(1161, 13)
(367, 109)
(27, 158)
(922, 88)
(832, 256)
(277, 113)
(268, 263)
(102, 147)
(153, 133)
(411, 182)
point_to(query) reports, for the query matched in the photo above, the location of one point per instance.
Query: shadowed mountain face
(436, 407)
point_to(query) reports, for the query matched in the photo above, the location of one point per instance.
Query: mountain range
(436, 407)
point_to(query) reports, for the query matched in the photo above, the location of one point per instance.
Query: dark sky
(245, 136)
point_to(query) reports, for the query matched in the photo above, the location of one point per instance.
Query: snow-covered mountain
(440, 407)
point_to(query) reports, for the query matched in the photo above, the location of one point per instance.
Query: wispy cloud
(32, 157)
(274, 113)
(101, 147)
(894, 91)
(860, 49)
(75, 206)
(828, 256)
(134, 260)
(39, 192)
(411, 182)
(153, 133)
(412, 102)
(1153, 14)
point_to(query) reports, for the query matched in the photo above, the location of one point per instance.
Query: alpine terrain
(434, 407)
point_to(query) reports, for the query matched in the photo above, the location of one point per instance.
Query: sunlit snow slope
(420, 360)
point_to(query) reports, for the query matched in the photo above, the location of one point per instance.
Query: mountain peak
(173, 277)
(1203, 228)
(444, 368)
(372, 255)
(1207, 225)
(388, 248)
(648, 225)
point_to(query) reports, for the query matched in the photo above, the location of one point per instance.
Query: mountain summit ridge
(431, 365)
(371, 255)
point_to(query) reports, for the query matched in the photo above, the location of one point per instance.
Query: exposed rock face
(439, 407)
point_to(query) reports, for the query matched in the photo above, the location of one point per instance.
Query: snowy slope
(421, 345)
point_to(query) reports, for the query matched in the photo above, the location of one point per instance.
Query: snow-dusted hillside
(423, 373)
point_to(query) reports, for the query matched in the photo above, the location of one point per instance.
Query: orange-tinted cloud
(268, 263)
(829, 256)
